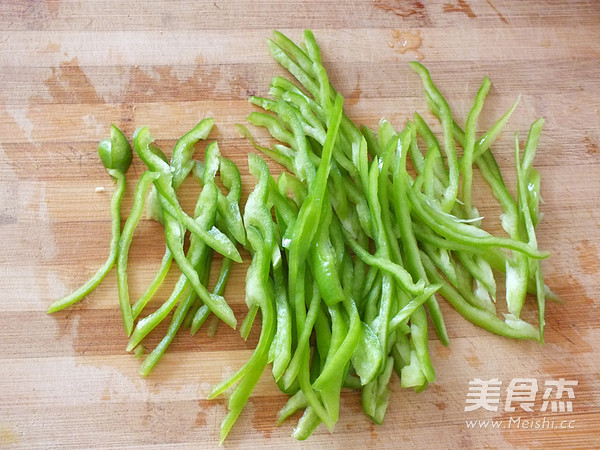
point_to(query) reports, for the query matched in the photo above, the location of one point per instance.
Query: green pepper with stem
(116, 156)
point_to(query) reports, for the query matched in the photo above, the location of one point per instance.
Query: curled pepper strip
(125, 240)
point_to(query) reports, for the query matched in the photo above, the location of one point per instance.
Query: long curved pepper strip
(524, 170)
(467, 159)
(125, 240)
(447, 124)
(116, 157)
(260, 236)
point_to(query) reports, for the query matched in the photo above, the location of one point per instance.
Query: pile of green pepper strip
(349, 249)
(216, 225)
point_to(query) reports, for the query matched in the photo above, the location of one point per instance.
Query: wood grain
(69, 68)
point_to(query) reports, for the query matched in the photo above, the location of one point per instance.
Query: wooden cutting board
(70, 68)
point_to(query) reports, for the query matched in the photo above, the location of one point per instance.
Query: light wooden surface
(70, 68)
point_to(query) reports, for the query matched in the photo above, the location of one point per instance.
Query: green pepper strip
(320, 88)
(282, 157)
(523, 176)
(125, 240)
(494, 256)
(292, 67)
(409, 243)
(489, 168)
(178, 318)
(434, 172)
(302, 345)
(368, 356)
(371, 394)
(375, 396)
(323, 261)
(273, 124)
(330, 395)
(307, 424)
(295, 403)
(217, 304)
(173, 228)
(397, 271)
(479, 269)
(467, 159)
(447, 123)
(403, 315)
(116, 157)
(296, 52)
(403, 211)
(260, 235)
(517, 282)
(484, 319)
(181, 159)
(228, 206)
(282, 342)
